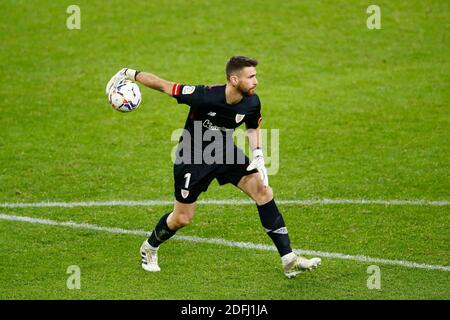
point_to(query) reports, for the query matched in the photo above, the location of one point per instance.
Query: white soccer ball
(125, 96)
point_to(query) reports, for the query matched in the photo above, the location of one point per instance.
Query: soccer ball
(125, 96)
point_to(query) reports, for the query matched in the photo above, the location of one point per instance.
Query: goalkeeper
(215, 111)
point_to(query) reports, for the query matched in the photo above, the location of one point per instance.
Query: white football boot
(149, 257)
(294, 264)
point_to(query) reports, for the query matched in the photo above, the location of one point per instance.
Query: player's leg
(190, 181)
(181, 215)
(166, 228)
(270, 217)
(169, 223)
(273, 223)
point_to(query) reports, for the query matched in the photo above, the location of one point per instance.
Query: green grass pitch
(362, 114)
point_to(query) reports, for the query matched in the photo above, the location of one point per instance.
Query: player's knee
(264, 195)
(184, 220)
(178, 224)
(181, 219)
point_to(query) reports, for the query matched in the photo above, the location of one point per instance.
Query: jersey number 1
(187, 176)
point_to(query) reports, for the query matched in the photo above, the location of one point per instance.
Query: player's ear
(234, 79)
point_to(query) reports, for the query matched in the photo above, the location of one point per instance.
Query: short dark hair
(237, 63)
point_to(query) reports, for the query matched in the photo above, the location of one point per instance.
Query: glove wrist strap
(257, 153)
(131, 74)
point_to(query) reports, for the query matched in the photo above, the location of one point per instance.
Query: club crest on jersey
(188, 89)
(239, 117)
(184, 193)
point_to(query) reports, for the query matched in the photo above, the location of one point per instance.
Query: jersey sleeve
(190, 95)
(253, 121)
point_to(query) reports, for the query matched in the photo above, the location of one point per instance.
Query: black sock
(273, 222)
(161, 232)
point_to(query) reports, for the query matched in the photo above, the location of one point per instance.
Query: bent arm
(154, 82)
(254, 138)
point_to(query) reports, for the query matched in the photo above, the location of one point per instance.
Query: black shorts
(193, 179)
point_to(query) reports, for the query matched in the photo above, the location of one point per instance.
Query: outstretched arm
(154, 82)
(148, 79)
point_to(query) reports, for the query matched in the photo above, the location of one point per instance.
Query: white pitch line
(131, 203)
(228, 243)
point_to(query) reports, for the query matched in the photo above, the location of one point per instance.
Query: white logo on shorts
(184, 193)
(188, 89)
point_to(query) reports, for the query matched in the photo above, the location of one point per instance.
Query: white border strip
(131, 203)
(228, 243)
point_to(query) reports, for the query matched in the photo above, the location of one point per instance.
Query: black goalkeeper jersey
(211, 120)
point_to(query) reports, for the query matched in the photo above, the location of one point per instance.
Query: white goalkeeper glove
(125, 73)
(259, 164)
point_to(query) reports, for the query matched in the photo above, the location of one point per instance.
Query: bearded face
(245, 90)
(246, 81)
